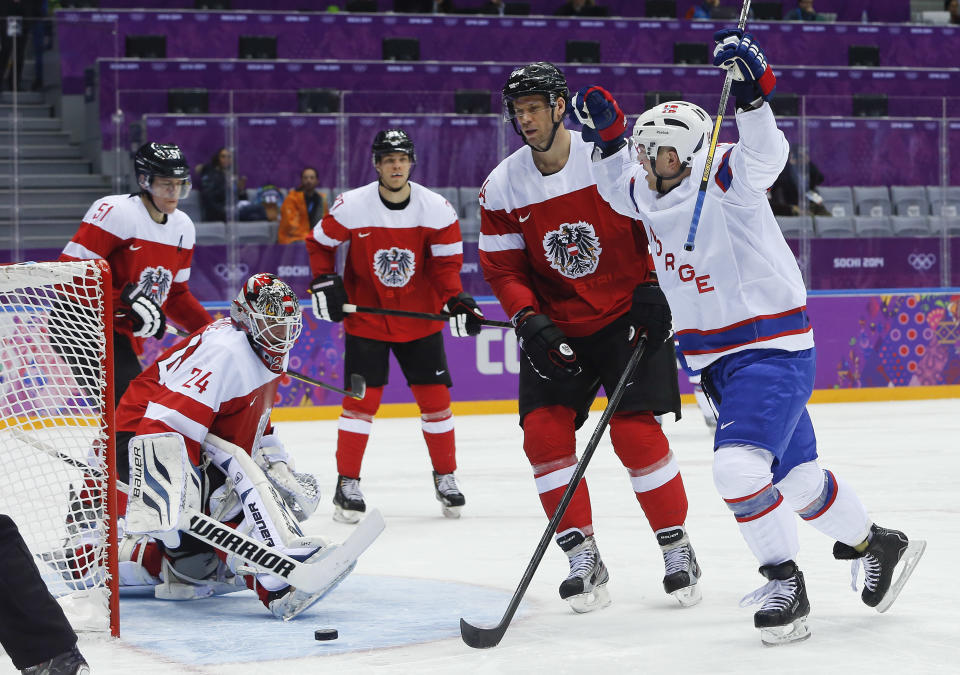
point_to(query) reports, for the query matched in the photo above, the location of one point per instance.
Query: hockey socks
(353, 430)
(550, 444)
(654, 473)
(436, 420)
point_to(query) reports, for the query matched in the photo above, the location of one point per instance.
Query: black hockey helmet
(393, 140)
(161, 160)
(536, 78)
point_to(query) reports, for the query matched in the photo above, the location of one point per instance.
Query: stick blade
(358, 386)
(481, 638)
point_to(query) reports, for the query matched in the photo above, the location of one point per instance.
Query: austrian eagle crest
(394, 266)
(155, 282)
(573, 249)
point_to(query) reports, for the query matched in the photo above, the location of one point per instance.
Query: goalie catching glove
(144, 313)
(753, 79)
(466, 315)
(300, 491)
(603, 121)
(545, 346)
(329, 297)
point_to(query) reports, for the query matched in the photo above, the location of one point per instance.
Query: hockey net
(57, 477)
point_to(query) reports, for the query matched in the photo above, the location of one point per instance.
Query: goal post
(57, 434)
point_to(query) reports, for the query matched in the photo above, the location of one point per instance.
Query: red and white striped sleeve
(503, 258)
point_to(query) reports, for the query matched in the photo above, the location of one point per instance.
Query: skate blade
(688, 596)
(795, 631)
(301, 601)
(910, 558)
(596, 599)
(451, 511)
(342, 515)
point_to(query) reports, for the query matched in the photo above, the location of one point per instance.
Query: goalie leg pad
(163, 485)
(267, 517)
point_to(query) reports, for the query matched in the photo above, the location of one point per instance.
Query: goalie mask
(683, 126)
(159, 160)
(540, 78)
(268, 311)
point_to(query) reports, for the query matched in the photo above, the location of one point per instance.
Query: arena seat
(909, 200)
(872, 226)
(834, 226)
(871, 200)
(910, 226)
(944, 201)
(796, 226)
(837, 200)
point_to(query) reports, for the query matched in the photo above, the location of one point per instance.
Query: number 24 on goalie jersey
(211, 383)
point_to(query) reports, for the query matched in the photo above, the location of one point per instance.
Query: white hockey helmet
(683, 126)
(267, 309)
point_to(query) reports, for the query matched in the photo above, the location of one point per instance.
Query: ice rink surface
(400, 610)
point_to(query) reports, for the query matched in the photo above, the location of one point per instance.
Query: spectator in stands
(30, 10)
(953, 6)
(491, 7)
(213, 186)
(804, 11)
(265, 205)
(302, 209)
(580, 8)
(784, 194)
(703, 10)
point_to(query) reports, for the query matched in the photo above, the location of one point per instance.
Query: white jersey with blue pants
(739, 310)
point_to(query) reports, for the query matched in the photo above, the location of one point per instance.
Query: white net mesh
(54, 424)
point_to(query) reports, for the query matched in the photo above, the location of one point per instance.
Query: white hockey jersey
(211, 382)
(740, 288)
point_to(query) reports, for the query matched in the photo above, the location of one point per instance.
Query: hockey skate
(340, 560)
(681, 569)
(782, 618)
(348, 500)
(887, 548)
(448, 494)
(67, 663)
(586, 586)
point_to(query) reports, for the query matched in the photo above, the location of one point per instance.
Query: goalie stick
(705, 179)
(314, 577)
(358, 386)
(429, 316)
(484, 637)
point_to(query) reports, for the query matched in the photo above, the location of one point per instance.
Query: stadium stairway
(56, 181)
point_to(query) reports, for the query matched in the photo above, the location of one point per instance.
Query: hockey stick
(358, 386)
(480, 637)
(315, 576)
(351, 309)
(705, 179)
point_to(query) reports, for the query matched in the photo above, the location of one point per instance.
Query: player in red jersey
(405, 252)
(576, 278)
(149, 245)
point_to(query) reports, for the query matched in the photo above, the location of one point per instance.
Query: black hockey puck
(325, 634)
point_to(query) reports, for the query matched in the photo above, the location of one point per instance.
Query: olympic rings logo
(922, 261)
(238, 272)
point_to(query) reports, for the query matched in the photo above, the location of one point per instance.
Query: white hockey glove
(300, 491)
(164, 485)
(146, 315)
